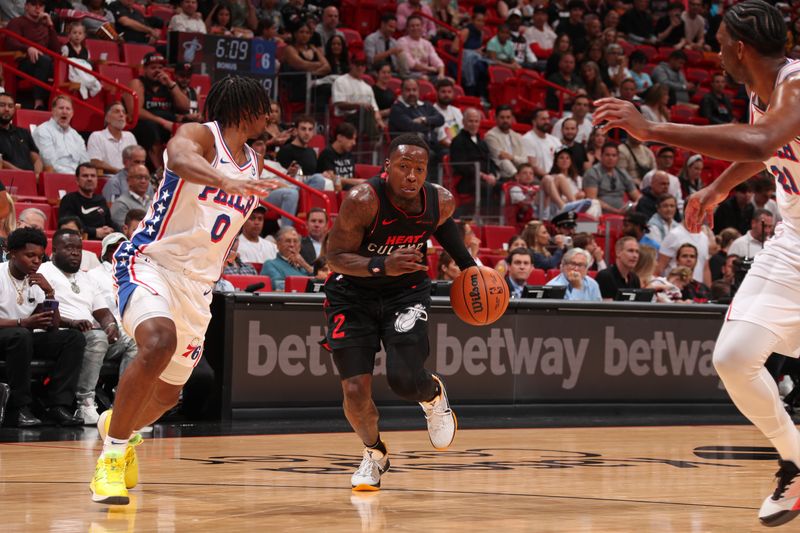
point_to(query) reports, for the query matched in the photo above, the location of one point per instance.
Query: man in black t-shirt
(336, 162)
(16, 144)
(298, 155)
(620, 275)
(133, 24)
(91, 208)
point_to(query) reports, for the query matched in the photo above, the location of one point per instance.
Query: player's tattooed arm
(356, 216)
(447, 204)
(190, 152)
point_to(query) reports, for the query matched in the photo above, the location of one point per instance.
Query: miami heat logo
(405, 321)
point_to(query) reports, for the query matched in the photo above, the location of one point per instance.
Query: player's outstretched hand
(259, 187)
(404, 261)
(700, 208)
(615, 113)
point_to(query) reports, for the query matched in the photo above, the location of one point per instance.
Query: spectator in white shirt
(762, 226)
(105, 147)
(453, 118)
(540, 144)
(189, 19)
(83, 307)
(61, 147)
(580, 112)
(540, 31)
(354, 99)
(673, 242)
(253, 248)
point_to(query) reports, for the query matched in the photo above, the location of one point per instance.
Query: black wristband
(377, 265)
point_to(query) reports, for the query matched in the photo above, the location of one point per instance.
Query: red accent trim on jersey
(168, 215)
(228, 152)
(133, 275)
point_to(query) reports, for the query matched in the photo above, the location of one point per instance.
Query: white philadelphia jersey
(784, 165)
(190, 228)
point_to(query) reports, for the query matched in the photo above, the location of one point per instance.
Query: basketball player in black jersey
(380, 291)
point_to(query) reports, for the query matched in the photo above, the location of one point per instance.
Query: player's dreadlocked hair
(757, 24)
(412, 139)
(234, 99)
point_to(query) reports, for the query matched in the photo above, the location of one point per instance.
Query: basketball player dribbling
(165, 273)
(764, 317)
(380, 291)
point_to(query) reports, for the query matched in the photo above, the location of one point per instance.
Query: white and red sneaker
(784, 504)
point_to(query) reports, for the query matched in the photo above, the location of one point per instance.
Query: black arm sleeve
(449, 237)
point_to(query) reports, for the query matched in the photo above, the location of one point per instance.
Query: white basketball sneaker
(368, 476)
(442, 423)
(87, 409)
(784, 504)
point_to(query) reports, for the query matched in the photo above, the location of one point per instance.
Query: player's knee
(357, 391)
(156, 350)
(408, 385)
(167, 395)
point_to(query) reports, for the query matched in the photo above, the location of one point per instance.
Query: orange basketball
(479, 296)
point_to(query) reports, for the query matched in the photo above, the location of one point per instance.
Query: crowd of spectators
(540, 167)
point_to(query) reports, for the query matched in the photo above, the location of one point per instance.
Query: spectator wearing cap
(37, 26)
(17, 147)
(716, 106)
(354, 100)
(574, 26)
(635, 225)
(188, 19)
(574, 276)
(160, 101)
(608, 184)
(621, 274)
(419, 54)
(136, 196)
(524, 56)
(565, 223)
(637, 23)
(670, 73)
(737, 211)
(453, 118)
(540, 32)
(183, 77)
(61, 147)
(132, 25)
(648, 203)
(380, 46)
(405, 12)
(253, 248)
(105, 147)
(635, 158)
(664, 161)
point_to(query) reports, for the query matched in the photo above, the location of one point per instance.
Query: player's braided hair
(757, 24)
(234, 99)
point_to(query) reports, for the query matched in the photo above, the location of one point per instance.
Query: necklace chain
(18, 288)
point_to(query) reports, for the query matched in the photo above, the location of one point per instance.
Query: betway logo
(498, 354)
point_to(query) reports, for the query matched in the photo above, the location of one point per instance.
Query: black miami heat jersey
(393, 229)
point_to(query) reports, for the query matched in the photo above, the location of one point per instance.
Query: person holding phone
(29, 320)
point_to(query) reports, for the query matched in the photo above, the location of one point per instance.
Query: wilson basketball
(479, 296)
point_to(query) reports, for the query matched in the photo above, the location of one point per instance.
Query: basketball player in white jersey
(165, 273)
(764, 317)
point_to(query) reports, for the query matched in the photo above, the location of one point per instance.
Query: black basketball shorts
(362, 318)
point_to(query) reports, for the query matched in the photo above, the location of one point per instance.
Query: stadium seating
(296, 283)
(241, 281)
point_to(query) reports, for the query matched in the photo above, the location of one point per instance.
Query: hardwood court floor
(573, 480)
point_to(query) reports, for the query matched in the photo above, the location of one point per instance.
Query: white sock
(114, 446)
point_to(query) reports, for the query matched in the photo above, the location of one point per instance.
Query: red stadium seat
(23, 180)
(25, 118)
(201, 83)
(93, 246)
(495, 237)
(133, 53)
(296, 283)
(367, 171)
(54, 186)
(102, 51)
(427, 91)
(353, 39)
(122, 74)
(317, 142)
(242, 281)
(537, 277)
(552, 273)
